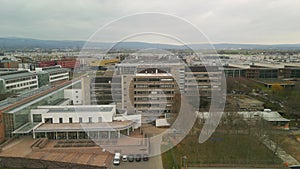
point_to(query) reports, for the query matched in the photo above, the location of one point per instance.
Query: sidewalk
(284, 156)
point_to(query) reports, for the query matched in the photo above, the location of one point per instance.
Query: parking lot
(152, 163)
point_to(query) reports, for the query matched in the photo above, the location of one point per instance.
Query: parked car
(117, 159)
(145, 157)
(131, 158)
(124, 158)
(138, 158)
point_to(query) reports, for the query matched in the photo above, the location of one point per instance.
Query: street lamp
(174, 132)
(183, 162)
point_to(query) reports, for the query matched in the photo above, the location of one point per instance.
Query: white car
(124, 158)
(117, 159)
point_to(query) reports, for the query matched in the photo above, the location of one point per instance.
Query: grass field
(221, 148)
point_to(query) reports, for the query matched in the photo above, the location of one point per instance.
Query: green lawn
(222, 148)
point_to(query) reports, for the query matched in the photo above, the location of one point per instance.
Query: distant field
(229, 150)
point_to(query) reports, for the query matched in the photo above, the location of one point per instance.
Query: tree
(276, 88)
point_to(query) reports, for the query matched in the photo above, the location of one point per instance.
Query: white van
(117, 159)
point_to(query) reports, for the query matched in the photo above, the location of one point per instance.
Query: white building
(273, 118)
(55, 73)
(17, 80)
(73, 114)
(74, 95)
(82, 122)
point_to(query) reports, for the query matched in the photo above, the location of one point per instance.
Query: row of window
(59, 72)
(152, 98)
(153, 86)
(19, 79)
(21, 85)
(57, 77)
(70, 120)
(154, 79)
(153, 92)
(152, 105)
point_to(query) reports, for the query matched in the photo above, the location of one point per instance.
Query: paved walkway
(21, 147)
(284, 156)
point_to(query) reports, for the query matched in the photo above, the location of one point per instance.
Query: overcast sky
(229, 21)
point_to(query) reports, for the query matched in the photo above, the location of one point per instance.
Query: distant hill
(28, 43)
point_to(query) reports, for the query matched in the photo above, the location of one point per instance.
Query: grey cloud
(237, 21)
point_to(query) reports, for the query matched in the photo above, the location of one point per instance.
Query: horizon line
(162, 43)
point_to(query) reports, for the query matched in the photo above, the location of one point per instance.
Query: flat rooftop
(274, 81)
(242, 99)
(153, 74)
(151, 60)
(36, 97)
(15, 74)
(75, 110)
(78, 108)
(27, 128)
(67, 127)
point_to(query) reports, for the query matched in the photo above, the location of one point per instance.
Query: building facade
(154, 87)
(206, 79)
(79, 122)
(53, 74)
(17, 80)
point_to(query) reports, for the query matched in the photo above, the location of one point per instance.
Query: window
(37, 118)
(99, 119)
(80, 119)
(70, 120)
(48, 120)
(90, 119)
(60, 120)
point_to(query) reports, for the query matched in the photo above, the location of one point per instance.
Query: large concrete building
(153, 86)
(206, 79)
(151, 91)
(106, 90)
(141, 85)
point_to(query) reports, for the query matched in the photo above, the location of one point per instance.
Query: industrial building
(19, 80)
(52, 74)
(9, 62)
(269, 118)
(13, 80)
(291, 71)
(70, 63)
(262, 71)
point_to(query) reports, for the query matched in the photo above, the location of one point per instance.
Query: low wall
(17, 162)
